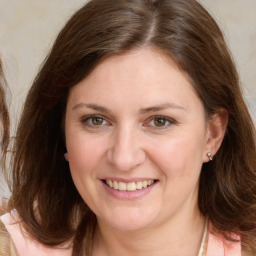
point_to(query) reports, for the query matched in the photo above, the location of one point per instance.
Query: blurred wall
(237, 18)
(28, 28)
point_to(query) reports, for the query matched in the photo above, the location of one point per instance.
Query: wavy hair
(4, 119)
(189, 35)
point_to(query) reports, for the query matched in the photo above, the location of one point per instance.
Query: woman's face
(136, 136)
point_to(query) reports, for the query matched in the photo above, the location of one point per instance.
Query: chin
(128, 226)
(129, 220)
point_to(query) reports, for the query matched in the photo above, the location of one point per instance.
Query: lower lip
(128, 195)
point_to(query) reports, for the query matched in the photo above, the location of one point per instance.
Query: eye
(160, 122)
(94, 121)
(97, 120)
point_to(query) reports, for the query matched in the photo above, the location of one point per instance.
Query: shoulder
(7, 247)
(218, 246)
(24, 245)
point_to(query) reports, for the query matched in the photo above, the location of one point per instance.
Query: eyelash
(87, 121)
(160, 117)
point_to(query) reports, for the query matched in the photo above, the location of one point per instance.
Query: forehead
(144, 76)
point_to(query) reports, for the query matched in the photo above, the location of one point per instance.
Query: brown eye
(97, 120)
(160, 121)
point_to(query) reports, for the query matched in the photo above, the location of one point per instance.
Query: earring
(66, 156)
(210, 156)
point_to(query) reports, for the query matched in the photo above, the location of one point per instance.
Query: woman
(135, 139)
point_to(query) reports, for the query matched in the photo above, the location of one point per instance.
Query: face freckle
(136, 135)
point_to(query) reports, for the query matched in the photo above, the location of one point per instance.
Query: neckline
(203, 246)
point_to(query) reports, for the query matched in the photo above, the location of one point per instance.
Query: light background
(28, 29)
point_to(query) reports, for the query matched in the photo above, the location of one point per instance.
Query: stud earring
(66, 156)
(210, 156)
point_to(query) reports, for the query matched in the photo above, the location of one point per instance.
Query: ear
(216, 129)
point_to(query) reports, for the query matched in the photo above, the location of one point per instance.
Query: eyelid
(168, 119)
(84, 120)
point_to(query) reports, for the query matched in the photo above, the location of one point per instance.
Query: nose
(126, 151)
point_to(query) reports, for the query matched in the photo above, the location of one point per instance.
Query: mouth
(129, 186)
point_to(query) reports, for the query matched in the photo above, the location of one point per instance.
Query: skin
(127, 141)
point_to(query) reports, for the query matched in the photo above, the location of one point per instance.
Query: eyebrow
(161, 107)
(92, 106)
(141, 111)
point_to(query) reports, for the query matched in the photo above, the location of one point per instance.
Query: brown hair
(184, 30)
(4, 119)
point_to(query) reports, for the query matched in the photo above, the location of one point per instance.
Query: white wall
(28, 28)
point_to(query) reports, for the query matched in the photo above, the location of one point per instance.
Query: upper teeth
(131, 186)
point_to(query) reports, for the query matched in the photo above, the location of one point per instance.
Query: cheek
(179, 156)
(84, 157)
(84, 153)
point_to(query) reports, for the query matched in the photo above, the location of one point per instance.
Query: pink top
(216, 246)
(25, 245)
(29, 247)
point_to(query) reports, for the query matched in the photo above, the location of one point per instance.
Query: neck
(178, 236)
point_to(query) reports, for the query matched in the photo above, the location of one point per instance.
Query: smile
(131, 186)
